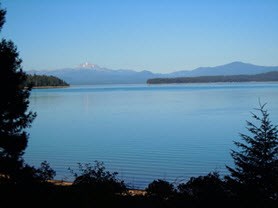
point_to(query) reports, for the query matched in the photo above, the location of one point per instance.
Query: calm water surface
(144, 132)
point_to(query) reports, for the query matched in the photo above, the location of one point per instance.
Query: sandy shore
(46, 87)
(132, 192)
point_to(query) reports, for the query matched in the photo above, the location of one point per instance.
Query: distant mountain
(93, 74)
(234, 68)
(263, 77)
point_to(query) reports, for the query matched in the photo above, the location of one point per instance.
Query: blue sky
(156, 35)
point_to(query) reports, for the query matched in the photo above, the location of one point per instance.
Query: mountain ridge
(93, 74)
(271, 76)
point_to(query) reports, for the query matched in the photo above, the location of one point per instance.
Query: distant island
(263, 77)
(44, 81)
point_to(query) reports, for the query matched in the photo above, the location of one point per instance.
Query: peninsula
(263, 77)
(44, 81)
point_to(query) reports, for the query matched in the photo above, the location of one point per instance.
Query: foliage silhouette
(161, 189)
(45, 173)
(14, 114)
(97, 179)
(255, 175)
(209, 189)
(2, 17)
(15, 119)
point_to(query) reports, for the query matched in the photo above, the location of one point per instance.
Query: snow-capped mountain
(88, 73)
(88, 65)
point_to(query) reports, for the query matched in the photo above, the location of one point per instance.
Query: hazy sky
(155, 35)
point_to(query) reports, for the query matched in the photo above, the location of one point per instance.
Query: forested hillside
(43, 81)
(264, 77)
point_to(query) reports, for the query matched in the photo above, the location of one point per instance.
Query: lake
(144, 132)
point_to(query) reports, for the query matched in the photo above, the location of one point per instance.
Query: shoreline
(49, 87)
(221, 82)
(132, 192)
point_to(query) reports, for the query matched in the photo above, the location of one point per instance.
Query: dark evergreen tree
(2, 17)
(14, 114)
(256, 164)
(161, 189)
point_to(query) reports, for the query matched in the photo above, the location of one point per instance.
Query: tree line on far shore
(45, 81)
(252, 182)
(264, 77)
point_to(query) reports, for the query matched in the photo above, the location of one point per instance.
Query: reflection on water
(144, 132)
